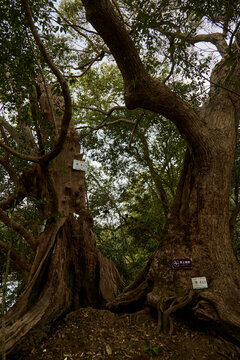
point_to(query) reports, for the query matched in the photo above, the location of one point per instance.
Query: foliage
(18, 73)
(124, 192)
(152, 350)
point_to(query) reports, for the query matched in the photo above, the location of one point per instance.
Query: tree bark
(68, 270)
(198, 223)
(197, 228)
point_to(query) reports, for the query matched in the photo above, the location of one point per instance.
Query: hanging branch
(103, 124)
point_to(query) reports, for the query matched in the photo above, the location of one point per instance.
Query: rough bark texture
(198, 228)
(68, 270)
(198, 223)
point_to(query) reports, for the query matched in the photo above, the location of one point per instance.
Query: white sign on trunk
(80, 165)
(42, 227)
(199, 283)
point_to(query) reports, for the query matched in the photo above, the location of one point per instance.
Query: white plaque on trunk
(199, 283)
(80, 165)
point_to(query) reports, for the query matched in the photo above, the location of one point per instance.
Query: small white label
(42, 227)
(199, 283)
(80, 165)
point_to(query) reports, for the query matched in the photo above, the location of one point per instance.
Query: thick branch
(19, 155)
(17, 259)
(107, 23)
(18, 228)
(216, 39)
(63, 83)
(13, 133)
(140, 89)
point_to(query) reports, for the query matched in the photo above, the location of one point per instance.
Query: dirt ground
(99, 334)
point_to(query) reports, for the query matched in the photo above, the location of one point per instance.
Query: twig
(76, 28)
(133, 132)
(99, 57)
(107, 113)
(101, 125)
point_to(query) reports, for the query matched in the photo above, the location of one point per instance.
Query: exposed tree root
(221, 311)
(127, 301)
(135, 293)
(72, 273)
(165, 323)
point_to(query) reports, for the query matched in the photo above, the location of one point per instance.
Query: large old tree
(67, 270)
(37, 153)
(198, 224)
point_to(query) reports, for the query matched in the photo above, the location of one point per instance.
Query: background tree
(131, 192)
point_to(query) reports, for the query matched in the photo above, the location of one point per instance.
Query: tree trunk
(198, 228)
(71, 273)
(198, 223)
(68, 270)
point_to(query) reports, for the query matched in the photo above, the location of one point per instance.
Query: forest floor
(99, 334)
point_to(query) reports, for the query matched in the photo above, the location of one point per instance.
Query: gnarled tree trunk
(68, 270)
(198, 223)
